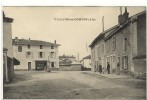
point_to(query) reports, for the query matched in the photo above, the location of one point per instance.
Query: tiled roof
(87, 57)
(108, 33)
(130, 19)
(32, 42)
(101, 35)
(65, 62)
(64, 56)
(7, 19)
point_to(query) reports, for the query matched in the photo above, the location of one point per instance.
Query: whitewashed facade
(35, 54)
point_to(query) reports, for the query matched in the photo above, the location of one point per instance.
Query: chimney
(123, 18)
(3, 14)
(16, 39)
(55, 41)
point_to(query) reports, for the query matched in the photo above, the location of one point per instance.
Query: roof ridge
(39, 42)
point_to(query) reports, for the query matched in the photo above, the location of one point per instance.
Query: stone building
(69, 63)
(35, 54)
(98, 50)
(86, 63)
(125, 45)
(8, 59)
(65, 57)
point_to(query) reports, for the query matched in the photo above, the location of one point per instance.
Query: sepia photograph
(74, 52)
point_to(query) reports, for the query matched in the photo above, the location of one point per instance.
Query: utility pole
(86, 47)
(103, 23)
(78, 57)
(121, 10)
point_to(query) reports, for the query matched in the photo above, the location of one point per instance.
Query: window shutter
(122, 62)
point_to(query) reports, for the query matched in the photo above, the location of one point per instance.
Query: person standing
(103, 70)
(100, 68)
(118, 69)
(108, 67)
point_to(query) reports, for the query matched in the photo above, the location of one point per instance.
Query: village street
(71, 85)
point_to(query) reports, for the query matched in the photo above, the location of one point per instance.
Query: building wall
(140, 64)
(139, 67)
(7, 43)
(115, 55)
(98, 55)
(77, 67)
(7, 38)
(114, 49)
(93, 60)
(141, 34)
(130, 41)
(87, 63)
(22, 56)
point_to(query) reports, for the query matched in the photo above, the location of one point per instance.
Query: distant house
(35, 54)
(8, 60)
(65, 57)
(86, 62)
(124, 46)
(69, 63)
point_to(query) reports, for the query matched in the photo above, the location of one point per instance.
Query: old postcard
(76, 52)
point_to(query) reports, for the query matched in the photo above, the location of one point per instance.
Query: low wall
(139, 67)
(70, 68)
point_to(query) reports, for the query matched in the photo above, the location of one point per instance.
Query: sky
(38, 23)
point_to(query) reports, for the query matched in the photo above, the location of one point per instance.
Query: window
(52, 64)
(125, 62)
(41, 46)
(113, 43)
(28, 54)
(28, 46)
(40, 54)
(52, 47)
(94, 54)
(107, 45)
(20, 48)
(125, 44)
(102, 48)
(98, 51)
(52, 54)
(107, 60)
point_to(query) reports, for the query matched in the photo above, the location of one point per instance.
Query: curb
(94, 74)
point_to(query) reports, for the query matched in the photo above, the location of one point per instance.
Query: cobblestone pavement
(71, 85)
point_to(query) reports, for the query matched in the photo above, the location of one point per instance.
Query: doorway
(41, 65)
(29, 65)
